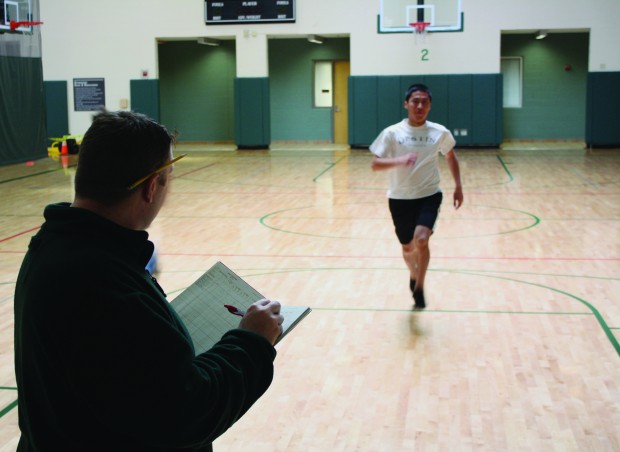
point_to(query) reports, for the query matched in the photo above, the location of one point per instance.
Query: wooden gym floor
(518, 349)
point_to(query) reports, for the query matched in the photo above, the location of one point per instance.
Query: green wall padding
(487, 115)
(196, 84)
(23, 134)
(364, 110)
(390, 101)
(469, 105)
(554, 100)
(603, 109)
(252, 119)
(145, 97)
(56, 108)
(460, 98)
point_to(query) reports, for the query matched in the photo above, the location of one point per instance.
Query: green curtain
(22, 110)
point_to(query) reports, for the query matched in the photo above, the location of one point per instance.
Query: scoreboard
(249, 11)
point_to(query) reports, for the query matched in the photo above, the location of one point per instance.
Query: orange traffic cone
(64, 150)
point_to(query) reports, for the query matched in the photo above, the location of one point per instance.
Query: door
(342, 69)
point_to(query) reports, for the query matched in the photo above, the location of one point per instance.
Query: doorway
(545, 86)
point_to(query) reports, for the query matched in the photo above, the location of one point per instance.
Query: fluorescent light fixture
(541, 34)
(315, 39)
(208, 42)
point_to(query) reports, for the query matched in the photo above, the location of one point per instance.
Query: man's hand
(458, 197)
(382, 163)
(264, 318)
(453, 164)
(409, 159)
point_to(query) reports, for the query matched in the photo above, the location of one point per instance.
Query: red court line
(305, 256)
(381, 191)
(6, 239)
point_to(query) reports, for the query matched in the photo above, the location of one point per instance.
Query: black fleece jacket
(102, 361)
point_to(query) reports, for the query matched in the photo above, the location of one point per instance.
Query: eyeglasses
(420, 100)
(161, 168)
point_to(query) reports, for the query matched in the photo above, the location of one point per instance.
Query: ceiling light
(208, 42)
(315, 39)
(541, 34)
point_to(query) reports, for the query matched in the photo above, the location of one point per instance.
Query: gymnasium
(275, 104)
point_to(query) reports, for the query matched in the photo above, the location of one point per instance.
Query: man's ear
(149, 188)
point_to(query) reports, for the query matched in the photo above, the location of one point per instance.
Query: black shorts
(409, 213)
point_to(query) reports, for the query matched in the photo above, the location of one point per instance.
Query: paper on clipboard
(201, 306)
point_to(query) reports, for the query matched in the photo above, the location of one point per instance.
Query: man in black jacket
(102, 361)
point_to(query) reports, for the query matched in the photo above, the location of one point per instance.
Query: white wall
(116, 39)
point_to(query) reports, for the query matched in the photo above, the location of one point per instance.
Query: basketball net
(419, 31)
(15, 25)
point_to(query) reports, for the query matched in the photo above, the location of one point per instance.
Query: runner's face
(418, 106)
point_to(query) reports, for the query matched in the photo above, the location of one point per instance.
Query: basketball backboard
(395, 16)
(16, 11)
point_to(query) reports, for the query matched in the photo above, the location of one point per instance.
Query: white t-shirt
(422, 179)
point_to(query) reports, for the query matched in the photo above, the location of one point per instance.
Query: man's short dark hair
(418, 87)
(118, 149)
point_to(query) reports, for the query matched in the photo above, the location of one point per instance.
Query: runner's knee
(421, 240)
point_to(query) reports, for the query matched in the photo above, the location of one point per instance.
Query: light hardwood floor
(517, 351)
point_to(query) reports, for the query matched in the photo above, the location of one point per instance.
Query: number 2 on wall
(424, 56)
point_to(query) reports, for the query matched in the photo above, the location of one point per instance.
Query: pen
(234, 310)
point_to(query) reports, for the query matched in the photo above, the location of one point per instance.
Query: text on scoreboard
(249, 11)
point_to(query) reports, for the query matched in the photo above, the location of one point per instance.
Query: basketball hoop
(15, 25)
(419, 30)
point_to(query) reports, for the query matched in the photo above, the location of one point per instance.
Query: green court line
(512, 231)
(329, 167)
(593, 311)
(11, 405)
(382, 217)
(606, 329)
(597, 314)
(506, 170)
(8, 408)
(263, 219)
(501, 160)
(262, 272)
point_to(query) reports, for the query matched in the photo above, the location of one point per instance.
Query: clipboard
(202, 306)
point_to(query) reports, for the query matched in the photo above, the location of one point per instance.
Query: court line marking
(11, 405)
(606, 329)
(264, 218)
(329, 167)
